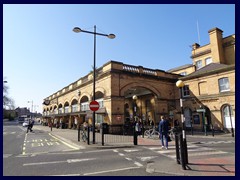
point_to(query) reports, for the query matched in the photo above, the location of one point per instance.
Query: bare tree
(8, 103)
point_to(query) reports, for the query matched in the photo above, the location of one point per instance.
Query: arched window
(228, 117)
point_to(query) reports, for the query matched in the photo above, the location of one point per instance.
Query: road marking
(73, 147)
(79, 160)
(56, 162)
(113, 170)
(131, 150)
(128, 158)
(138, 164)
(147, 158)
(121, 154)
(6, 155)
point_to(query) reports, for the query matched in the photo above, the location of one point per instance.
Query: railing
(149, 72)
(133, 69)
(139, 69)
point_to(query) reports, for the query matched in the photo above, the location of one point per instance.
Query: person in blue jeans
(163, 130)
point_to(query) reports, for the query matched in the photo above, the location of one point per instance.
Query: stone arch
(84, 95)
(74, 101)
(66, 104)
(137, 84)
(84, 99)
(100, 89)
(99, 95)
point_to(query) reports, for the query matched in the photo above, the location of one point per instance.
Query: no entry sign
(94, 106)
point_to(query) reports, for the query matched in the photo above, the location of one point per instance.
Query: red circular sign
(94, 105)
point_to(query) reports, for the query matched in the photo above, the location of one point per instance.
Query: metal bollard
(78, 133)
(134, 136)
(183, 158)
(88, 133)
(177, 148)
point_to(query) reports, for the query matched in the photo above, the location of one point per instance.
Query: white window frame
(66, 109)
(60, 110)
(198, 63)
(100, 101)
(223, 84)
(208, 60)
(84, 106)
(74, 107)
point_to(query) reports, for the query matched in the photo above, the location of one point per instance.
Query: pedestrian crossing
(215, 142)
(193, 150)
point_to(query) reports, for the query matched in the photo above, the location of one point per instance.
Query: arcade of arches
(124, 93)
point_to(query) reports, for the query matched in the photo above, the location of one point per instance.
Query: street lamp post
(180, 85)
(135, 132)
(32, 108)
(110, 36)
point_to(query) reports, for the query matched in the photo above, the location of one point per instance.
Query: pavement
(197, 166)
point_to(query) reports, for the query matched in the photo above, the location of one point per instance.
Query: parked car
(25, 124)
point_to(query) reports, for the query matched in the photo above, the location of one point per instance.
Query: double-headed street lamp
(110, 36)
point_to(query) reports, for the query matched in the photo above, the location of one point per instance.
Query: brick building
(209, 85)
(209, 91)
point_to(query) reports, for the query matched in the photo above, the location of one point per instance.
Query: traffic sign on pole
(94, 106)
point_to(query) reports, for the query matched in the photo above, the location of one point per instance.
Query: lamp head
(179, 83)
(77, 30)
(111, 36)
(134, 97)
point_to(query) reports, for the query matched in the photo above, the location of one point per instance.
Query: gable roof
(180, 67)
(209, 69)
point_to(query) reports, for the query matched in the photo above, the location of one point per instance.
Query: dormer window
(198, 64)
(208, 60)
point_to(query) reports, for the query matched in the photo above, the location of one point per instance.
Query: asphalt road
(41, 154)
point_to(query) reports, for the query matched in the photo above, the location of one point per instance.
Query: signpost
(94, 106)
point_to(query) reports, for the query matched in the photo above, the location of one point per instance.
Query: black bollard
(183, 158)
(88, 133)
(78, 133)
(177, 148)
(134, 136)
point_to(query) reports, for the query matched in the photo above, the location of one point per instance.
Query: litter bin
(105, 128)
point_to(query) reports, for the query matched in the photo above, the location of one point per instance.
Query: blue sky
(41, 53)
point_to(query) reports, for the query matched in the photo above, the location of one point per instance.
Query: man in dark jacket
(163, 130)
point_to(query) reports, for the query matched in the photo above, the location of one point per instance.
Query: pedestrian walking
(163, 130)
(30, 125)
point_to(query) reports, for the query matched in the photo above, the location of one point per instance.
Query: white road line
(201, 154)
(113, 170)
(41, 163)
(73, 147)
(147, 158)
(55, 162)
(130, 159)
(131, 150)
(121, 154)
(6, 155)
(138, 164)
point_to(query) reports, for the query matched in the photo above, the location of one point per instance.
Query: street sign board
(94, 106)
(201, 110)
